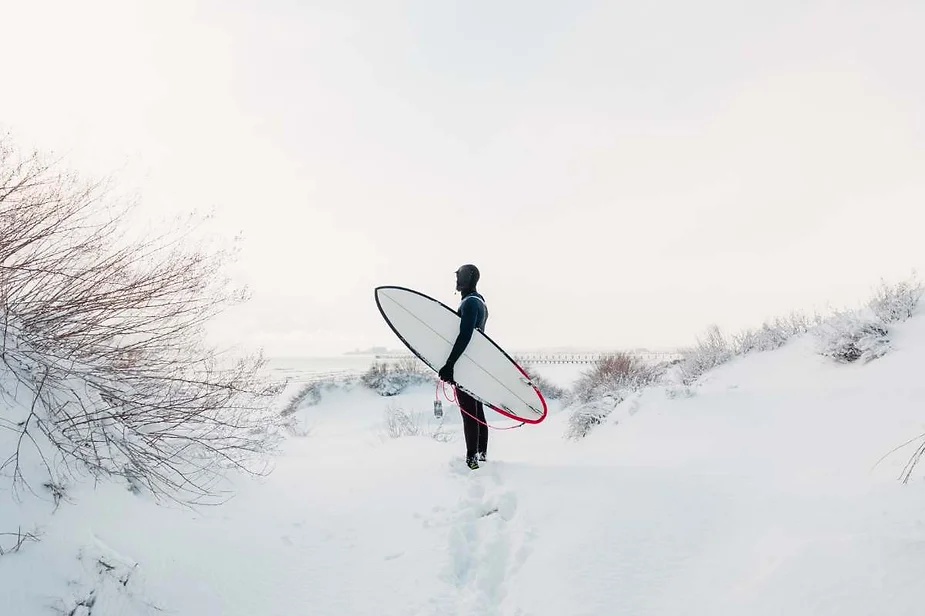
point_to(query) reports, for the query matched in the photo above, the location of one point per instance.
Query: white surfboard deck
(429, 329)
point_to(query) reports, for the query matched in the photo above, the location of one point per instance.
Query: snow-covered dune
(757, 494)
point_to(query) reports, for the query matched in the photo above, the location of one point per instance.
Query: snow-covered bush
(308, 395)
(772, 334)
(392, 379)
(863, 335)
(897, 302)
(613, 372)
(400, 422)
(584, 416)
(709, 352)
(311, 392)
(550, 390)
(102, 346)
(714, 349)
(852, 336)
(847, 336)
(598, 391)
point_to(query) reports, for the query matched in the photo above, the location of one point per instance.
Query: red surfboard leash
(455, 400)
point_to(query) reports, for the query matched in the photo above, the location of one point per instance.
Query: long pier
(589, 358)
(561, 358)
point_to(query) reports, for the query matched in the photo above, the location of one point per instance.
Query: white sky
(623, 173)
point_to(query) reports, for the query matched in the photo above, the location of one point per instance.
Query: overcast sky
(623, 173)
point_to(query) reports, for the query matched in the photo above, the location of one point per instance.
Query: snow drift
(768, 488)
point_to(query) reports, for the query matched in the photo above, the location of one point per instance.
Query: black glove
(446, 373)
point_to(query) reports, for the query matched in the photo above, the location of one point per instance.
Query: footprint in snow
(488, 543)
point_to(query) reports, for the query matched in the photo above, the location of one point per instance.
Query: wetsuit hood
(467, 277)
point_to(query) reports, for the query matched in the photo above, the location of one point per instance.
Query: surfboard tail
(528, 381)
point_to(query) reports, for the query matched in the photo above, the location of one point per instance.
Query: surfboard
(485, 371)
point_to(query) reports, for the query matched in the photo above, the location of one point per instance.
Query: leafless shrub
(311, 392)
(105, 333)
(613, 372)
(584, 416)
(549, 389)
(773, 334)
(598, 391)
(391, 379)
(852, 336)
(863, 335)
(411, 365)
(308, 395)
(710, 351)
(894, 303)
(399, 422)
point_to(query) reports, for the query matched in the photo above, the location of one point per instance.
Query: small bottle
(438, 409)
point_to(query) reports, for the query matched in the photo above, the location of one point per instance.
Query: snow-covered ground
(760, 494)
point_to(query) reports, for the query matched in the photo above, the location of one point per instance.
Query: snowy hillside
(759, 493)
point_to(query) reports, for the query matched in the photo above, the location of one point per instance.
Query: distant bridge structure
(590, 358)
(561, 358)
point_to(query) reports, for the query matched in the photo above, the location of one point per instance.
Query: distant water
(302, 369)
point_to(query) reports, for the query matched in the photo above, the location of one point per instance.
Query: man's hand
(446, 373)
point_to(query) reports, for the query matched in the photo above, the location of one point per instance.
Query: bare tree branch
(105, 332)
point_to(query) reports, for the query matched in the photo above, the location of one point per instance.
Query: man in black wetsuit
(474, 314)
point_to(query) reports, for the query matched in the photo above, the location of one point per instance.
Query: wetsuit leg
(470, 408)
(483, 429)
